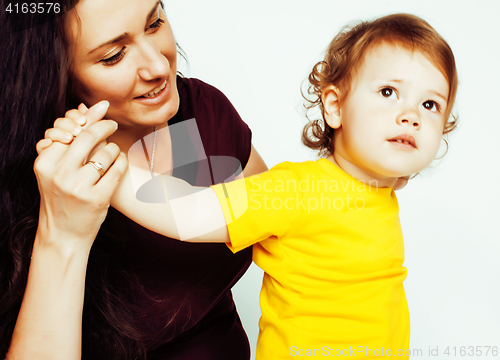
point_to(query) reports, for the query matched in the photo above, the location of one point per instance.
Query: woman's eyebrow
(126, 34)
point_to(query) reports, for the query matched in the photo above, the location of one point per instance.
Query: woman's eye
(114, 59)
(431, 106)
(156, 24)
(388, 93)
(118, 56)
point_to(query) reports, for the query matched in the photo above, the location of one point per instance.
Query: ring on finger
(98, 166)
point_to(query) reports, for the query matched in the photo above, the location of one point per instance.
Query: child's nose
(409, 117)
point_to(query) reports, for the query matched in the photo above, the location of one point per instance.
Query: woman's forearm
(49, 325)
(74, 201)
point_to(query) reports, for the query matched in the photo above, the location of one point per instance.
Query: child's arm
(185, 212)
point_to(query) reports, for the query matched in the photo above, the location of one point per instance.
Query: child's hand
(401, 182)
(67, 128)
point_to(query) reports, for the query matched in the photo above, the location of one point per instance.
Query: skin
(395, 92)
(122, 71)
(74, 202)
(74, 198)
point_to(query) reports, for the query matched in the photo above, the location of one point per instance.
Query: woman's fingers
(83, 144)
(99, 163)
(109, 182)
(43, 144)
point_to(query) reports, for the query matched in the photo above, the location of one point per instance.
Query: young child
(327, 232)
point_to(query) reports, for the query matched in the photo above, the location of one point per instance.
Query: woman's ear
(331, 105)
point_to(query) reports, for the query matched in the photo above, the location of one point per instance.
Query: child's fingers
(77, 116)
(83, 108)
(56, 134)
(42, 145)
(68, 124)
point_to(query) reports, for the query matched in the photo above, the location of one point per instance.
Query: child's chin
(401, 168)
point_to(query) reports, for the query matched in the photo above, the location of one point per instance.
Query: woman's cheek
(116, 88)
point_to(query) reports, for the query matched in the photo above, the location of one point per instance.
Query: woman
(115, 291)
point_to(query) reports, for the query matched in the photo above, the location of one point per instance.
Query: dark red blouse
(193, 280)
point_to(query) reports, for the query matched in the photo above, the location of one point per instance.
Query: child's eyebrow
(440, 95)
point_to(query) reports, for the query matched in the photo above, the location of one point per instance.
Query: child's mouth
(405, 140)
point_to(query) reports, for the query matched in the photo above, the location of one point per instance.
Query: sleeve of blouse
(260, 206)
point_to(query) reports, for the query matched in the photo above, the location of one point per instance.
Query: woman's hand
(74, 196)
(71, 125)
(74, 200)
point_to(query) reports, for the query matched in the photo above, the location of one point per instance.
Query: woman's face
(125, 52)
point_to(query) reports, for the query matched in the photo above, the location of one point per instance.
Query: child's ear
(331, 104)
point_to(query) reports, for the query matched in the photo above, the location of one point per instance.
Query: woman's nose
(153, 65)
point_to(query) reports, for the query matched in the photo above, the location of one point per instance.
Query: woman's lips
(158, 98)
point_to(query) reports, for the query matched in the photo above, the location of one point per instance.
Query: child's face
(396, 94)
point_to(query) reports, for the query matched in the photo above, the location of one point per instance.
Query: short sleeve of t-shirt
(260, 206)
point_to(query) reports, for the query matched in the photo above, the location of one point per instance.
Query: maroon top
(194, 280)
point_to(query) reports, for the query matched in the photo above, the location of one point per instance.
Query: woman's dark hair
(35, 89)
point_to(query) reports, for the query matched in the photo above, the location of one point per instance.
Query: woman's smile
(156, 96)
(139, 80)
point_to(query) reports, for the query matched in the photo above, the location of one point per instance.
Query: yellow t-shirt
(332, 251)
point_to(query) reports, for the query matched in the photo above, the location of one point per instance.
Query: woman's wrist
(66, 245)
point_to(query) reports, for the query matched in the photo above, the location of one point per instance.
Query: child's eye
(388, 93)
(431, 106)
(115, 58)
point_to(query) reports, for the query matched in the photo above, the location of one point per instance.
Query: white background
(259, 52)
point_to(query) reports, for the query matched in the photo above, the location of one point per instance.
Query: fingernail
(102, 106)
(68, 137)
(115, 123)
(122, 154)
(77, 130)
(81, 120)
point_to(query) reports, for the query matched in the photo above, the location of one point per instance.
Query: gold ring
(98, 166)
